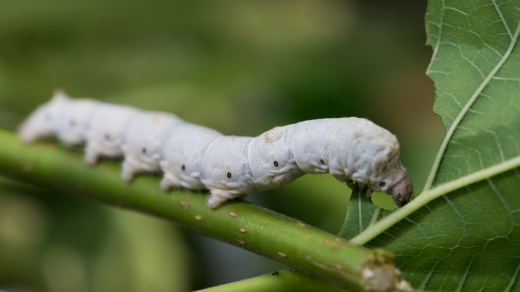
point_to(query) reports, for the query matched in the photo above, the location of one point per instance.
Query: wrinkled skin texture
(351, 149)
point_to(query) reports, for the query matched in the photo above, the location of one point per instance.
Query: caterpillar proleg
(196, 157)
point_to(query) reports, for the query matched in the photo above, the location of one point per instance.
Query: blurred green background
(240, 67)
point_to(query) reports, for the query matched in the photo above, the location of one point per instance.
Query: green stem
(466, 108)
(284, 281)
(429, 195)
(375, 216)
(245, 225)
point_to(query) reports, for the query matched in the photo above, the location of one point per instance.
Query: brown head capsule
(402, 191)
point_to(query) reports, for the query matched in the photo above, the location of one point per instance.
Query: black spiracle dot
(229, 175)
(276, 163)
(72, 123)
(144, 150)
(321, 161)
(382, 184)
(183, 167)
(107, 137)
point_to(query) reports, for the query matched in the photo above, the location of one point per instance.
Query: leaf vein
(438, 39)
(455, 209)
(494, 50)
(455, 9)
(508, 288)
(503, 20)
(465, 276)
(498, 144)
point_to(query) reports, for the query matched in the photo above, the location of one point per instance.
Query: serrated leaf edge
(466, 108)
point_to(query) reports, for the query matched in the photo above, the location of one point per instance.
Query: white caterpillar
(195, 157)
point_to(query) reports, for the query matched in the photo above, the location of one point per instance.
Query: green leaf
(468, 239)
(359, 215)
(363, 212)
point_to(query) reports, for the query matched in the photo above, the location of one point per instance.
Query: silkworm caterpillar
(195, 157)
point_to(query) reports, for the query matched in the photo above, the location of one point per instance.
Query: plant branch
(429, 195)
(466, 108)
(286, 280)
(245, 225)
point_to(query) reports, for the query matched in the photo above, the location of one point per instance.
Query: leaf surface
(359, 214)
(469, 239)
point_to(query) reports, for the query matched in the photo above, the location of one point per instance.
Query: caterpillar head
(395, 183)
(402, 191)
(400, 188)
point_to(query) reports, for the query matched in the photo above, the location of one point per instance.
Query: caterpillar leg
(127, 174)
(91, 155)
(369, 194)
(165, 184)
(218, 197)
(168, 181)
(352, 186)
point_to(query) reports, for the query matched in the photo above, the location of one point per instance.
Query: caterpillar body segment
(182, 153)
(226, 171)
(272, 160)
(349, 148)
(73, 123)
(142, 142)
(106, 131)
